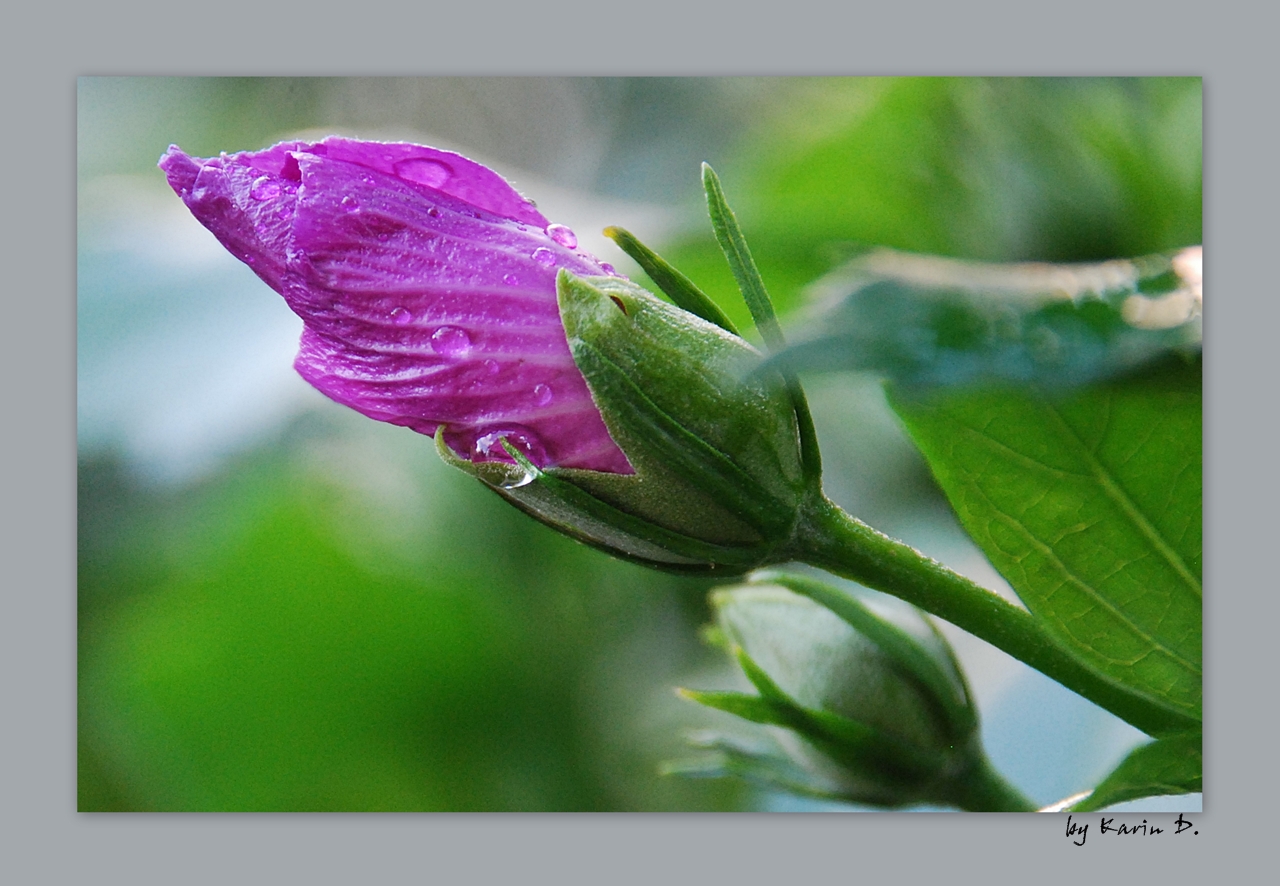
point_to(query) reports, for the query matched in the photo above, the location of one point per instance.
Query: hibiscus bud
(876, 707)
(436, 297)
(717, 479)
(426, 284)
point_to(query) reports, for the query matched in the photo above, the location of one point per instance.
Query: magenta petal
(427, 286)
(248, 209)
(443, 171)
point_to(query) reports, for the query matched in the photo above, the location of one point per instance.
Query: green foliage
(921, 320)
(1011, 169)
(1169, 765)
(1090, 506)
(273, 641)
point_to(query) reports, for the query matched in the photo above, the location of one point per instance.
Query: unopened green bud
(875, 708)
(823, 663)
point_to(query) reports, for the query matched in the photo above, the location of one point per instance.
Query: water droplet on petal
(265, 188)
(608, 269)
(450, 341)
(433, 212)
(563, 235)
(432, 173)
(493, 367)
(542, 395)
(489, 446)
(544, 256)
(511, 279)
(350, 203)
(401, 317)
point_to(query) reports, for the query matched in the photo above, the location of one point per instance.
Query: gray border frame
(47, 841)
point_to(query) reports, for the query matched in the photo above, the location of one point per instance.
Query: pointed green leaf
(751, 284)
(734, 245)
(1171, 765)
(732, 757)
(679, 288)
(748, 707)
(1090, 506)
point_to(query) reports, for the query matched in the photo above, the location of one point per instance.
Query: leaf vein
(1070, 578)
(1114, 491)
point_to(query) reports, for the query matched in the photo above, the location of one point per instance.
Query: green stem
(843, 545)
(983, 789)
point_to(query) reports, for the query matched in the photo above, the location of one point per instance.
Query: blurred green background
(285, 606)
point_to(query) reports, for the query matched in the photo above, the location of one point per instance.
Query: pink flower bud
(427, 286)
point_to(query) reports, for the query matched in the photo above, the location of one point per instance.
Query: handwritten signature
(1109, 826)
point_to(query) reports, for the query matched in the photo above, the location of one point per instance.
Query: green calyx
(718, 480)
(880, 702)
(824, 663)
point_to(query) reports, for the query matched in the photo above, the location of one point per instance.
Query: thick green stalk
(843, 545)
(983, 789)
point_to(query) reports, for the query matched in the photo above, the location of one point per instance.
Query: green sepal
(824, 662)
(885, 770)
(732, 757)
(705, 467)
(843, 738)
(938, 673)
(748, 707)
(675, 285)
(734, 246)
(712, 454)
(574, 512)
(848, 743)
